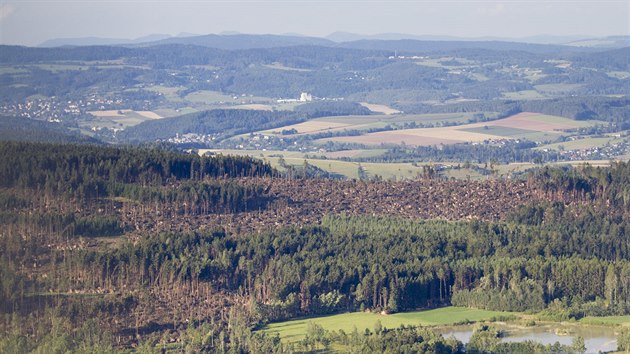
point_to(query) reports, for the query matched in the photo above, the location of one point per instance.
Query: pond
(597, 339)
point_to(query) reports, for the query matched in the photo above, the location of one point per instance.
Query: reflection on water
(596, 339)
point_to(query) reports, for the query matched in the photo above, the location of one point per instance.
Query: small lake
(597, 339)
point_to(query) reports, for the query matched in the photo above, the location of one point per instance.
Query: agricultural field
(413, 137)
(364, 123)
(532, 126)
(314, 126)
(499, 130)
(380, 108)
(292, 331)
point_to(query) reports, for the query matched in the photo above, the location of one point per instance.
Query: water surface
(597, 339)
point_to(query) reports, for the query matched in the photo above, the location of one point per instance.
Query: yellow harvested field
(149, 114)
(379, 108)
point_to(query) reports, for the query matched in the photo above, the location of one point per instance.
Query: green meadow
(294, 330)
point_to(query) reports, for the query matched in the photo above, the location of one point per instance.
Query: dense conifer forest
(111, 248)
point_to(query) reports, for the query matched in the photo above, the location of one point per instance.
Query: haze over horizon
(33, 22)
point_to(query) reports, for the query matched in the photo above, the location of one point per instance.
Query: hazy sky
(30, 22)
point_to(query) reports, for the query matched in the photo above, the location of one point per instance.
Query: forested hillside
(113, 248)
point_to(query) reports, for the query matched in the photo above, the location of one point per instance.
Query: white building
(306, 97)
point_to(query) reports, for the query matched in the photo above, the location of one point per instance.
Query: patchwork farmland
(364, 123)
(532, 126)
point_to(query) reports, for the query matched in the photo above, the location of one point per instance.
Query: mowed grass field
(295, 330)
(531, 126)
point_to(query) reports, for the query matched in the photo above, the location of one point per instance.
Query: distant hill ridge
(244, 41)
(91, 41)
(385, 41)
